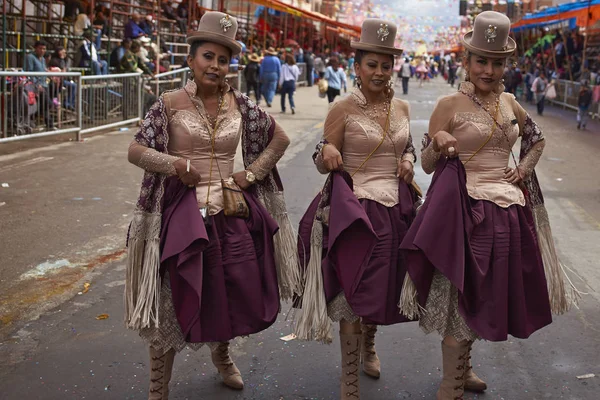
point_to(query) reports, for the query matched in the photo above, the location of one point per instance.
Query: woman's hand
(240, 180)
(514, 176)
(332, 158)
(405, 171)
(191, 178)
(446, 144)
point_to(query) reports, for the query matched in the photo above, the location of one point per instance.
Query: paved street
(63, 219)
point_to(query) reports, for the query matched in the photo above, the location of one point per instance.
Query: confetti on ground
(86, 287)
(586, 376)
(289, 337)
(5, 185)
(102, 316)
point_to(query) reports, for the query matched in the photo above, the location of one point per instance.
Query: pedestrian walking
(252, 74)
(363, 215)
(584, 101)
(405, 74)
(539, 87)
(422, 72)
(270, 71)
(502, 276)
(529, 78)
(204, 259)
(320, 66)
(310, 68)
(336, 79)
(287, 82)
(452, 67)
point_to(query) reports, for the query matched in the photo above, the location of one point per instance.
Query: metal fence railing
(110, 101)
(567, 94)
(37, 104)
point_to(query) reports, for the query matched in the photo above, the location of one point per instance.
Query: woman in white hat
(362, 214)
(480, 252)
(207, 247)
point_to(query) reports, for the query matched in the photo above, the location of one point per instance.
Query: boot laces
(369, 332)
(160, 369)
(354, 373)
(461, 377)
(222, 352)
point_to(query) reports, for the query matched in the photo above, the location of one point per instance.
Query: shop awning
(298, 12)
(572, 14)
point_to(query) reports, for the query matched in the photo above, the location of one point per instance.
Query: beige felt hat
(489, 37)
(254, 58)
(217, 27)
(377, 36)
(271, 51)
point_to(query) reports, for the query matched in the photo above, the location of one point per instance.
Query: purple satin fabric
(361, 250)
(223, 277)
(489, 253)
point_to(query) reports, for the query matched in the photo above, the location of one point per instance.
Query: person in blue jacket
(270, 71)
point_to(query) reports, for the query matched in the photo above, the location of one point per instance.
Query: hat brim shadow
(510, 48)
(223, 40)
(372, 48)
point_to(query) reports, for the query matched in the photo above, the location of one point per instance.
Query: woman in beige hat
(362, 213)
(204, 257)
(480, 253)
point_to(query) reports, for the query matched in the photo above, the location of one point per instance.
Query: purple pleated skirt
(376, 297)
(505, 290)
(229, 288)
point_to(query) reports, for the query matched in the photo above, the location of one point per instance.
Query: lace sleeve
(151, 160)
(529, 161)
(333, 134)
(429, 157)
(267, 160)
(409, 153)
(318, 156)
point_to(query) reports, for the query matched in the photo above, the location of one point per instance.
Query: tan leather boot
(454, 365)
(350, 388)
(161, 366)
(473, 383)
(229, 372)
(368, 355)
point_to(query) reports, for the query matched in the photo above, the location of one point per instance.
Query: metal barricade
(169, 80)
(110, 101)
(303, 79)
(37, 104)
(567, 96)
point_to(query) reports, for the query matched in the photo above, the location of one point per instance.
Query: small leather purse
(234, 203)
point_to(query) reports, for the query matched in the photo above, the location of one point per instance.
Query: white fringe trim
(286, 259)
(409, 304)
(314, 323)
(142, 282)
(563, 295)
(287, 262)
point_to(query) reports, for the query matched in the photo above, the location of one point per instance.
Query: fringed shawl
(562, 294)
(143, 255)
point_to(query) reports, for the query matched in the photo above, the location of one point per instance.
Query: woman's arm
(531, 133)
(327, 154)
(440, 121)
(141, 150)
(267, 160)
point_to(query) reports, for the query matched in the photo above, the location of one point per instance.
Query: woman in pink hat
(207, 247)
(351, 232)
(482, 262)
